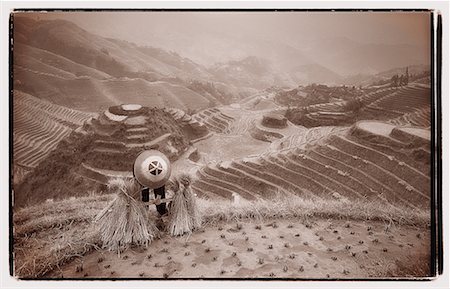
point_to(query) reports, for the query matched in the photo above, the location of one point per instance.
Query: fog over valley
(342, 43)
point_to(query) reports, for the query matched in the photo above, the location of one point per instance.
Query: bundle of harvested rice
(179, 220)
(125, 220)
(191, 202)
(184, 215)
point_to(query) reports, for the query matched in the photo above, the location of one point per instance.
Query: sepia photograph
(222, 144)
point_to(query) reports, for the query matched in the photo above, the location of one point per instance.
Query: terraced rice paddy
(404, 100)
(193, 126)
(345, 164)
(39, 126)
(328, 114)
(324, 202)
(120, 136)
(214, 119)
(309, 137)
(419, 117)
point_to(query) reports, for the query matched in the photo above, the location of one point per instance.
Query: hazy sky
(368, 27)
(189, 32)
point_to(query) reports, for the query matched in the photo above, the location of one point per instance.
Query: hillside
(261, 73)
(58, 61)
(278, 200)
(409, 105)
(38, 128)
(307, 157)
(348, 57)
(105, 146)
(415, 72)
(90, 94)
(313, 94)
(247, 72)
(114, 57)
(372, 161)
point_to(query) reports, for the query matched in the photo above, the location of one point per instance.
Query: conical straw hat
(152, 169)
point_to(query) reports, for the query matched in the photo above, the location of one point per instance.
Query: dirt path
(268, 249)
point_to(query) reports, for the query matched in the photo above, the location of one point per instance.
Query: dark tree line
(401, 80)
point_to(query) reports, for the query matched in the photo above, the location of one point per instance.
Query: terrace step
(151, 143)
(249, 182)
(215, 123)
(102, 175)
(205, 194)
(411, 134)
(225, 177)
(227, 116)
(376, 132)
(404, 154)
(374, 189)
(381, 172)
(381, 111)
(329, 156)
(342, 176)
(419, 118)
(109, 151)
(391, 182)
(202, 137)
(302, 163)
(407, 173)
(110, 144)
(311, 184)
(228, 185)
(213, 189)
(137, 137)
(220, 120)
(283, 183)
(137, 130)
(211, 126)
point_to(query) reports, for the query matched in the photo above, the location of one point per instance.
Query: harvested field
(366, 238)
(278, 250)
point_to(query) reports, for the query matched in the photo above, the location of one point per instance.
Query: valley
(298, 172)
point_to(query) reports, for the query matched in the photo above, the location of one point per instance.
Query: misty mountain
(61, 62)
(368, 79)
(315, 73)
(348, 57)
(114, 57)
(248, 72)
(412, 70)
(261, 73)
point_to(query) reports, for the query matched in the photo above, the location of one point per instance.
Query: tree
(401, 80)
(406, 76)
(394, 80)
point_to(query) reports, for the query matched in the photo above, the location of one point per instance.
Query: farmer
(160, 193)
(152, 170)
